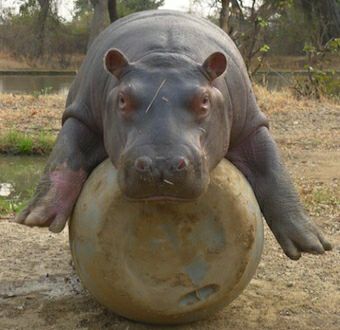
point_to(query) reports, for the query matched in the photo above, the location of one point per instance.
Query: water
(19, 176)
(60, 84)
(23, 84)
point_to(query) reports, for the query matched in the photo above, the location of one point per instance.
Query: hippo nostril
(143, 164)
(181, 164)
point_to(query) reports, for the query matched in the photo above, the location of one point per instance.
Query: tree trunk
(327, 15)
(41, 27)
(334, 17)
(224, 16)
(112, 7)
(99, 19)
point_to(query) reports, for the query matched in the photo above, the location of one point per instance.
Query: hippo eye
(201, 105)
(204, 107)
(121, 101)
(125, 106)
(205, 100)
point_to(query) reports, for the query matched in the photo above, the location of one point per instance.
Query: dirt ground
(39, 289)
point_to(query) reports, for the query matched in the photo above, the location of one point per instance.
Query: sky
(176, 4)
(66, 6)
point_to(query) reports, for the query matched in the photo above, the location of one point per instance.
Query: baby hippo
(166, 96)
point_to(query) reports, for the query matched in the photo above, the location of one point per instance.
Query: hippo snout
(161, 166)
(160, 177)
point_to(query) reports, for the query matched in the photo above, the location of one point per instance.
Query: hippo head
(165, 124)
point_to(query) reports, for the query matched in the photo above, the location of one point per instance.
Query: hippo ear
(215, 65)
(115, 62)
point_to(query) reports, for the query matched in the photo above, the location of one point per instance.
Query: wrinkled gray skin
(166, 96)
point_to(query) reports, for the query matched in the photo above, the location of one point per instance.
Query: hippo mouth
(151, 178)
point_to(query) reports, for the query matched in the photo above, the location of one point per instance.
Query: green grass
(18, 143)
(8, 206)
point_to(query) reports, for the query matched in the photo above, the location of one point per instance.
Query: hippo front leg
(77, 151)
(257, 158)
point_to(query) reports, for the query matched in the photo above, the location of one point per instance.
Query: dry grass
(278, 62)
(28, 113)
(29, 124)
(8, 62)
(286, 100)
(33, 116)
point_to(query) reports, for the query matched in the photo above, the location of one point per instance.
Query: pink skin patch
(55, 207)
(66, 185)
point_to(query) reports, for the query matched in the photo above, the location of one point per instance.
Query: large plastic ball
(166, 262)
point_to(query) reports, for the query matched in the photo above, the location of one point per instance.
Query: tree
(115, 9)
(314, 22)
(224, 15)
(323, 18)
(113, 13)
(255, 20)
(99, 19)
(246, 23)
(229, 10)
(126, 7)
(82, 8)
(41, 9)
(39, 35)
(41, 26)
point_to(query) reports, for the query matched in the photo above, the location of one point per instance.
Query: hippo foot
(300, 236)
(56, 197)
(44, 212)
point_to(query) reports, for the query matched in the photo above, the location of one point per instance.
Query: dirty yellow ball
(166, 263)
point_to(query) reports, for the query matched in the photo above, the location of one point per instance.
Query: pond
(23, 84)
(18, 177)
(59, 84)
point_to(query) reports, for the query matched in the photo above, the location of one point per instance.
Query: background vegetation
(271, 34)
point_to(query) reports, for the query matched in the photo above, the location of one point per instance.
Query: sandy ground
(39, 289)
